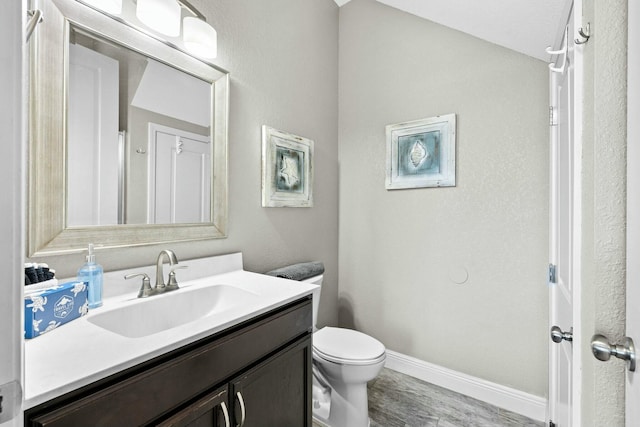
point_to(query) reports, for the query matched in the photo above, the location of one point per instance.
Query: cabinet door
(277, 392)
(209, 411)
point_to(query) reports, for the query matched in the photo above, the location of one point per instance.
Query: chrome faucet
(146, 290)
(171, 257)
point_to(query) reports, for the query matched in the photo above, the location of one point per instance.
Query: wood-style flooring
(398, 400)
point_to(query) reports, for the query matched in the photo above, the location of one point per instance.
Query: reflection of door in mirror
(114, 89)
(93, 138)
(179, 176)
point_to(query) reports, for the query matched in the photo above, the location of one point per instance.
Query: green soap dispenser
(91, 273)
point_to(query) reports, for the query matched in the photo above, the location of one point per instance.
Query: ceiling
(526, 26)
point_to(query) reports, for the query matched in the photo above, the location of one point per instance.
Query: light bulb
(200, 38)
(162, 16)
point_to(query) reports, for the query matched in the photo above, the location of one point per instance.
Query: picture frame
(287, 169)
(421, 153)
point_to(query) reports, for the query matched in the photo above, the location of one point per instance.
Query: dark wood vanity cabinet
(254, 374)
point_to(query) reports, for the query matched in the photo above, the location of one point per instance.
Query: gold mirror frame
(48, 233)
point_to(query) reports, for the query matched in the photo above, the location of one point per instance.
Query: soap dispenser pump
(91, 273)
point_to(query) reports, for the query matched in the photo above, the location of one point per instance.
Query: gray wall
(604, 209)
(282, 56)
(398, 249)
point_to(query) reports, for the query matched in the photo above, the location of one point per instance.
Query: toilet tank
(315, 280)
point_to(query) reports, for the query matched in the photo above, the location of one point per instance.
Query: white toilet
(344, 361)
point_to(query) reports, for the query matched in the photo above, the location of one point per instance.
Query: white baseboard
(513, 400)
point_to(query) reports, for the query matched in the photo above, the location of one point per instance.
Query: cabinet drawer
(208, 411)
(143, 397)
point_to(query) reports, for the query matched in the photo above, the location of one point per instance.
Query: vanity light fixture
(200, 38)
(162, 16)
(113, 7)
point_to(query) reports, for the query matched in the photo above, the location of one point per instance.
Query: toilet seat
(347, 347)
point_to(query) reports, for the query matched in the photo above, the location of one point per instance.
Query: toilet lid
(339, 344)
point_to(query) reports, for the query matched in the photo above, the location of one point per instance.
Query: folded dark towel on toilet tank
(300, 271)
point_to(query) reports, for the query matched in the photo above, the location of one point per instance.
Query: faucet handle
(173, 283)
(145, 289)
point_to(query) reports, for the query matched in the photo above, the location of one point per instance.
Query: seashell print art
(418, 153)
(421, 153)
(289, 171)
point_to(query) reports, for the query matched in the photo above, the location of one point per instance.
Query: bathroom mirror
(128, 136)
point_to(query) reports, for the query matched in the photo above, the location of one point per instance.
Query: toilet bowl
(344, 361)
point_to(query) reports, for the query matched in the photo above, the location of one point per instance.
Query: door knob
(557, 335)
(603, 350)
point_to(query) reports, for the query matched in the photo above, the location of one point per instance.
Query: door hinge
(552, 116)
(552, 273)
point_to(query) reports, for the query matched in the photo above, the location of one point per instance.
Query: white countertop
(79, 353)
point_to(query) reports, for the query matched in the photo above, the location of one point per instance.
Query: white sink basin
(158, 313)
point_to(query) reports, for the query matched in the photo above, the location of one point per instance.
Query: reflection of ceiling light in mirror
(200, 38)
(113, 7)
(162, 16)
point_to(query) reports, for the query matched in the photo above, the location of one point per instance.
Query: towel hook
(35, 17)
(564, 51)
(585, 33)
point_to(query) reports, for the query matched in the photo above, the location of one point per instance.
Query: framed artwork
(422, 153)
(287, 169)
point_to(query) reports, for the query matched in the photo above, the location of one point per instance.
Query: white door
(564, 224)
(179, 176)
(633, 208)
(92, 151)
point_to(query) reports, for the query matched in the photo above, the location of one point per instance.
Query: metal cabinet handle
(243, 413)
(557, 335)
(603, 350)
(225, 413)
